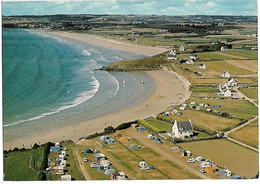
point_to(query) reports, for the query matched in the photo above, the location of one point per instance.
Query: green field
(23, 165)
(220, 66)
(162, 125)
(249, 54)
(238, 159)
(212, 56)
(211, 89)
(250, 92)
(248, 134)
(239, 108)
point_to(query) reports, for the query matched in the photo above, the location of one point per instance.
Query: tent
(222, 173)
(103, 138)
(124, 139)
(88, 151)
(98, 156)
(134, 147)
(117, 135)
(157, 140)
(141, 129)
(100, 168)
(109, 171)
(209, 169)
(55, 149)
(235, 177)
(108, 141)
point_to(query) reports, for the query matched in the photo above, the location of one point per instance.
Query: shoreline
(169, 85)
(109, 43)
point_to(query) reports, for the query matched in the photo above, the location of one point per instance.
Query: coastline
(169, 85)
(111, 44)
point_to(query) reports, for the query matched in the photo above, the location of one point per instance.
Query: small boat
(123, 81)
(68, 92)
(142, 81)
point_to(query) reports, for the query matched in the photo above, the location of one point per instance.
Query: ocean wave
(83, 97)
(95, 51)
(103, 58)
(60, 40)
(85, 52)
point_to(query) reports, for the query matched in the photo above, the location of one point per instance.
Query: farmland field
(220, 66)
(238, 159)
(248, 134)
(249, 54)
(239, 108)
(23, 165)
(250, 92)
(212, 56)
(204, 120)
(245, 64)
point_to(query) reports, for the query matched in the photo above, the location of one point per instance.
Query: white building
(223, 48)
(182, 129)
(194, 57)
(190, 62)
(172, 55)
(231, 82)
(225, 74)
(202, 66)
(224, 90)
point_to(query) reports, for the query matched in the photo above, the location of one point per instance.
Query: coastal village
(211, 134)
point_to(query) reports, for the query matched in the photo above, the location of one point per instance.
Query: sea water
(51, 82)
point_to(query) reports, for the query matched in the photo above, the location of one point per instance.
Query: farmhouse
(225, 74)
(190, 62)
(224, 90)
(182, 48)
(231, 82)
(172, 55)
(223, 48)
(194, 57)
(182, 129)
(202, 66)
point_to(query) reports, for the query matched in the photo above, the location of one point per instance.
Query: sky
(144, 7)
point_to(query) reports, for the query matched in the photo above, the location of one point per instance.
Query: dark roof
(184, 126)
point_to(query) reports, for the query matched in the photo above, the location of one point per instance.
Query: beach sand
(169, 85)
(111, 44)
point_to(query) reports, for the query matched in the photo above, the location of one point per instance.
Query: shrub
(125, 125)
(149, 126)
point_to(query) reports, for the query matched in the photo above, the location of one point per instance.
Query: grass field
(239, 108)
(203, 89)
(220, 66)
(248, 134)
(250, 92)
(22, 165)
(216, 81)
(212, 56)
(162, 125)
(238, 159)
(203, 94)
(249, 54)
(204, 120)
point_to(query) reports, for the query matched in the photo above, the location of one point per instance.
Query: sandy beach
(111, 44)
(170, 88)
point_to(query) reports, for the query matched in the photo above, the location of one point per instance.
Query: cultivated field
(244, 64)
(238, 159)
(248, 134)
(251, 92)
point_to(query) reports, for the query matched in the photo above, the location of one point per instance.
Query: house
(193, 56)
(182, 129)
(224, 90)
(202, 66)
(172, 55)
(225, 74)
(66, 177)
(190, 62)
(231, 82)
(223, 48)
(118, 176)
(186, 153)
(182, 48)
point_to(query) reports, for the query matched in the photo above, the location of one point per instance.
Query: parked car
(85, 159)
(202, 170)
(93, 165)
(191, 160)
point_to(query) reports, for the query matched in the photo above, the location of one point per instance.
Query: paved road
(81, 166)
